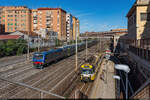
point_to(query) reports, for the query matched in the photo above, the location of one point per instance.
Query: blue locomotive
(42, 59)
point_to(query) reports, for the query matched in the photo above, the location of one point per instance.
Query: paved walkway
(104, 85)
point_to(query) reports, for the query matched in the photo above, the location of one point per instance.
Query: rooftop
(29, 33)
(119, 30)
(51, 9)
(9, 37)
(137, 3)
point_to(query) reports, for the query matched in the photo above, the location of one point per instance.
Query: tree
(10, 47)
(2, 48)
(58, 42)
(21, 46)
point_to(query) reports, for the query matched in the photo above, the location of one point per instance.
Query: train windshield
(38, 56)
(87, 71)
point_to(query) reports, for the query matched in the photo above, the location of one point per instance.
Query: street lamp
(126, 69)
(117, 78)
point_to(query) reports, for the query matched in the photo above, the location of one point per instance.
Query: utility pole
(86, 47)
(42, 95)
(38, 43)
(99, 45)
(28, 55)
(76, 53)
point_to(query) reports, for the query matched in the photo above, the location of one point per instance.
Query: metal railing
(42, 92)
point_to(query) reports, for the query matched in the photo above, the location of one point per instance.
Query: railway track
(49, 78)
(35, 79)
(82, 88)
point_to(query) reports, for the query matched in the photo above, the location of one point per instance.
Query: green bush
(2, 48)
(58, 42)
(12, 47)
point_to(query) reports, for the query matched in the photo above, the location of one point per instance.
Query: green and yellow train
(87, 72)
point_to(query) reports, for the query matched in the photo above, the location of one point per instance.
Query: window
(58, 20)
(145, 16)
(9, 11)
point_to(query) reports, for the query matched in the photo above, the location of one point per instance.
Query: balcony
(48, 17)
(48, 20)
(34, 18)
(47, 23)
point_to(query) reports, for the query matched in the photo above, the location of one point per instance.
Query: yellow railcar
(87, 72)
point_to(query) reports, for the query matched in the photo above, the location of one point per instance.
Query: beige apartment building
(76, 27)
(139, 20)
(52, 19)
(15, 18)
(21, 18)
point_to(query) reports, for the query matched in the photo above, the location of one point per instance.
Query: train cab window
(38, 56)
(87, 71)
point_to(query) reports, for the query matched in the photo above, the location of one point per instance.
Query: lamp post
(126, 69)
(117, 78)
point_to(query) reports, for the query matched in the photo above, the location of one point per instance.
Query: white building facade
(69, 27)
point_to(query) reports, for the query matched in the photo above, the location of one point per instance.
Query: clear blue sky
(94, 15)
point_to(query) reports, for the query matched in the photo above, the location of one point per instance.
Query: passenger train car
(42, 59)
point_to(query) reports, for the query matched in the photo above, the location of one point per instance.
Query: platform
(104, 85)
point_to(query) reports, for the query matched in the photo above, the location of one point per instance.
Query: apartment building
(15, 18)
(139, 20)
(1, 28)
(69, 25)
(76, 28)
(52, 19)
(21, 18)
(34, 20)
